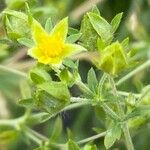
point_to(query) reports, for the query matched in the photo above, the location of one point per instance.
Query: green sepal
(112, 59)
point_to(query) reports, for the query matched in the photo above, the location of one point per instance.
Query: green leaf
(38, 118)
(72, 31)
(58, 90)
(28, 102)
(101, 26)
(15, 4)
(7, 23)
(13, 35)
(116, 21)
(138, 111)
(70, 134)
(38, 75)
(30, 18)
(16, 27)
(69, 63)
(26, 42)
(25, 89)
(7, 136)
(57, 130)
(16, 14)
(72, 145)
(89, 35)
(100, 44)
(95, 10)
(73, 38)
(5, 41)
(46, 102)
(66, 77)
(90, 147)
(125, 43)
(112, 135)
(48, 25)
(92, 80)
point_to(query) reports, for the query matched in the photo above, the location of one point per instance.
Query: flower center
(51, 47)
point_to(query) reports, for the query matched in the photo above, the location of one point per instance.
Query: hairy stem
(125, 128)
(135, 71)
(110, 112)
(84, 88)
(14, 71)
(92, 138)
(30, 135)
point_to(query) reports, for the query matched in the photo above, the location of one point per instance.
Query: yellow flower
(51, 48)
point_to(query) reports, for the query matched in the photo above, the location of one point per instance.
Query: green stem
(38, 135)
(123, 93)
(39, 138)
(110, 112)
(9, 122)
(121, 112)
(79, 99)
(92, 138)
(33, 137)
(125, 128)
(14, 71)
(135, 71)
(75, 105)
(127, 137)
(84, 88)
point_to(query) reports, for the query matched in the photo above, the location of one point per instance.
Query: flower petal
(60, 30)
(71, 49)
(34, 52)
(37, 54)
(38, 33)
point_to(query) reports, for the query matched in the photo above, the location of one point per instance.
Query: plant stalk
(92, 138)
(125, 128)
(135, 71)
(14, 71)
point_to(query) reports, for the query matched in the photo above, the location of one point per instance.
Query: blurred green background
(135, 25)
